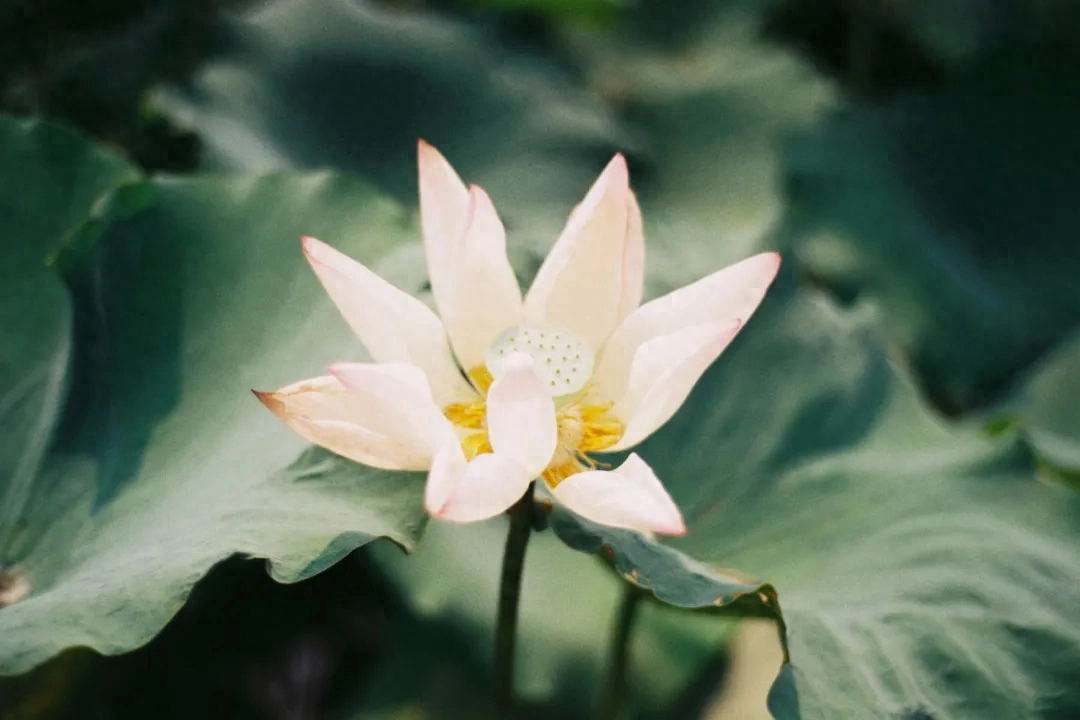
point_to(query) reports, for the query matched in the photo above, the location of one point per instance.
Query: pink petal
(397, 401)
(481, 297)
(521, 416)
(468, 492)
(393, 325)
(726, 297)
(629, 496)
(471, 278)
(664, 371)
(633, 270)
(592, 273)
(324, 412)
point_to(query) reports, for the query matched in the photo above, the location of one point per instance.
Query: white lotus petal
(521, 421)
(630, 496)
(633, 272)
(725, 297)
(397, 401)
(590, 275)
(444, 203)
(662, 374)
(468, 492)
(393, 325)
(324, 412)
(480, 295)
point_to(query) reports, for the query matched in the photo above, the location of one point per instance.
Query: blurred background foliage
(889, 444)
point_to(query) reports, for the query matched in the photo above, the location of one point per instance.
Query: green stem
(517, 539)
(615, 684)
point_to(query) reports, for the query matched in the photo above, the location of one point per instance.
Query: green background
(881, 471)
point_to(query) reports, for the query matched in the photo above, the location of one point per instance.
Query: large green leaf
(49, 179)
(953, 209)
(920, 568)
(354, 86)
(710, 109)
(195, 299)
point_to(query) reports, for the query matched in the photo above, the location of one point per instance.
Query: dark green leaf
(668, 574)
(354, 86)
(196, 299)
(953, 210)
(49, 180)
(710, 117)
(920, 568)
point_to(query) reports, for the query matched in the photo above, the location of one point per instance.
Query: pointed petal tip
(775, 257)
(426, 154)
(436, 510)
(617, 170)
(310, 245)
(320, 254)
(337, 368)
(340, 371)
(677, 529)
(477, 197)
(772, 260)
(270, 400)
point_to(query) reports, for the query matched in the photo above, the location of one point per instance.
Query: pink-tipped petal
(444, 205)
(589, 278)
(633, 271)
(399, 401)
(663, 372)
(630, 496)
(446, 470)
(468, 492)
(325, 412)
(465, 244)
(727, 296)
(444, 201)
(481, 295)
(393, 325)
(361, 445)
(521, 421)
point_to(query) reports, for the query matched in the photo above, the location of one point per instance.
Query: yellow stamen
(583, 428)
(600, 429)
(471, 414)
(555, 474)
(481, 378)
(467, 415)
(475, 444)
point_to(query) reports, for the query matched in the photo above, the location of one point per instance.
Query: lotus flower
(505, 389)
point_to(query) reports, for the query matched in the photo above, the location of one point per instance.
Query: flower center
(565, 365)
(563, 362)
(583, 428)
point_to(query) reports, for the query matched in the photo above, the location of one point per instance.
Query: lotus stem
(517, 539)
(618, 663)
